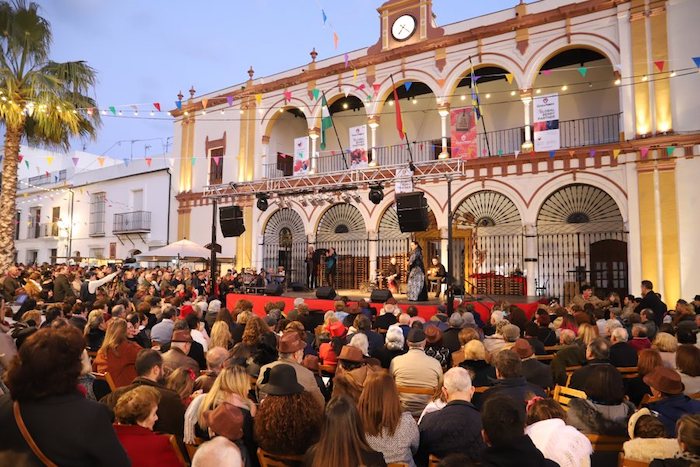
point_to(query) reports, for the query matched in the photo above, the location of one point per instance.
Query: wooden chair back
(564, 395)
(107, 378)
(268, 459)
(397, 464)
(192, 448)
(433, 461)
(553, 348)
(481, 389)
(178, 451)
(416, 390)
(623, 462)
(570, 371)
(546, 358)
(628, 372)
(604, 443)
(647, 399)
(328, 369)
(695, 396)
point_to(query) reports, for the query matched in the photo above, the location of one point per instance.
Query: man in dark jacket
(10, 284)
(61, 286)
(171, 411)
(534, 371)
(653, 302)
(597, 353)
(621, 353)
(450, 338)
(457, 427)
(511, 382)
(504, 433)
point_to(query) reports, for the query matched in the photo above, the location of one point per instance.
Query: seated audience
(510, 380)
(622, 354)
(465, 335)
(572, 354)
(176, 356)
(496, 341)
(688, 365)
(434, 347)
(482, 373)
(688, 428)
(94, 332)
(639, 341)
(221, 336)
(535, 372)
(647, 319)
(670, 404)
(216, 357)
(667, 345)
(387, 428)
(450, 338)
(163, 331)
(181, 381)
(136, 413)
(117, 354)
(352, 373)
(393, 346)
(545, 333)
(226, 422)
(530, 334)
(648, 439)
(597, 353)
(558, 441)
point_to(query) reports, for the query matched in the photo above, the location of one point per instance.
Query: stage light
(464, 98)
(262, 201)
(345, 106)
(376, 194)
(618, 81)
(488, 96)
(512, 93)
(564, 88)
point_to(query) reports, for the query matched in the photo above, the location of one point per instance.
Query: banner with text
(463, 133)
(301, 155)
(358, 147)
(546, 123)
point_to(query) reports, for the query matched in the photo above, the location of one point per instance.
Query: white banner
(301, 155)
(403, 183)
(358, 147)
(545, 122)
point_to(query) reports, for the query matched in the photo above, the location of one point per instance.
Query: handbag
(28, 437)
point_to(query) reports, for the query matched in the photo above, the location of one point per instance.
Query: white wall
(683, 40)
(688, 200)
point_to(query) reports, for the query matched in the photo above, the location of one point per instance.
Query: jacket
(171, 412)
(61, 426)
(304, 376)
(648, 449)
(670, 409)
(9, 288)
(484, 374)
(176, 358)
(351, 382)
(582, 375)
(623, 355)
(450, 339)
(652, 301)
(570, 355)
(62, 288)
(121, 366)
(146, 448)
(561, 443)
(591, 418)
(521, 452)
(454, 429)
(537, 373)
(516, 388)
(415, 368)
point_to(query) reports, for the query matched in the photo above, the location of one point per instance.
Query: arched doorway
(493, 244)
(581, 239)
(284, 244)
(343, 228)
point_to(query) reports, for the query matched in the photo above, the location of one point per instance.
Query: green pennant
(194, 159)
(26, 162)
(315, 92)
(669, 150)
(113, 110)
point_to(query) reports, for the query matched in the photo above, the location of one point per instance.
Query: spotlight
(376, 194)
(262, 201)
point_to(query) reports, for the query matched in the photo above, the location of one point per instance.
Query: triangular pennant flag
(287, 96)
(193, 160)
(26, 162)
(101, 161)
(171, 161)
(669, 150)
(509, 77)
(148, 160)
(697, 61)
(571, 153)
(376, 87)
(361, 87)
(326, 120)
(49, 160)
(47, 173)
(660, 65)
(583, 70)
(399, 118)
(552, 153)
(616, 153)
(324, 16)
(408, 85)
(354, 75)
(335, 39)
(20, 157)
(258, 98)
(369, 97)
(546, 72)
(113, 110)
(644, 152)
(157, 106)
(346, 92)
(217, 159)
(517, 153)
(229, 100)
(178, 104)
(441, 82)
(347, 59)
(475, 78)
(126, 162)
(205, 101)
(592, 153)
(500, 152)
(315, 92)
(75, 161)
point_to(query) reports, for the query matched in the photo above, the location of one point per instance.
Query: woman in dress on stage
(417, 291)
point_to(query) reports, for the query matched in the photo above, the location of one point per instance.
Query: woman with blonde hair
(587, 333)
(94, 332)
(667, 345)
(220, 336)
(475, 362)
(465, 335)
(117, 355)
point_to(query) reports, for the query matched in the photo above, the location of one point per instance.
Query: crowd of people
(360, 384)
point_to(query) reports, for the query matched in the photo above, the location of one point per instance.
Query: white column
(530, 257)
(625, 72)
(263, 157)
(444, 111)
(526, 98)
(659, 283)
(373, 123)
(443, 249)
(372, 252)
(313, 134)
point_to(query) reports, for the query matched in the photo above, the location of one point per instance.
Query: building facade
(610, 205)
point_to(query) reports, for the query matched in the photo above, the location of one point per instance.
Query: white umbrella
(183, 250)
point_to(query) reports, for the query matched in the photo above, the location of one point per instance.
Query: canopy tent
(183, 250)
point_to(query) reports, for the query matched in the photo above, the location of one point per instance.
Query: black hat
(281, 380)
(416, 335)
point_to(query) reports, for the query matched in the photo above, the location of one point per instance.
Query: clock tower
(404, 22)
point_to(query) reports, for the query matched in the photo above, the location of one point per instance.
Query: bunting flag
(644, 152)
(157, 106)
(376, 87)
(354, 75)
(258, 98)
(571, 153)
(509, 77)
(669, 150)
(148, 160)
(26, 162)
(178, 104)
(399, 120)
(441, 82)
(315, 92)
(287, 96)
(546, 72)
(517, 153)
(113, 110)
(500, 152)
(326, 120)
(325, 18)
(592, 153)
(47, 173)
(660, 65)
(194, 159)
(101, 161)
(369, 97)
(347, 59)
(135, 108)
(551, 154)
(171, 161)
(697, 61)
(205, 101)
(75, 161)
(475, 95)
(229, 100)
(20, 157)
(361, 87)
(217, 159)
(583, 70)
(126, 162)
(335, 39)
(616, 153)
(49, 160)
(408, 85)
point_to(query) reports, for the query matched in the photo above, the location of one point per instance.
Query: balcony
(43, 230)
(44, 179)
(573, 133)
(132, 222)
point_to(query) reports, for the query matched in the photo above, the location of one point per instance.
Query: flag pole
(408, 146)
(478, 105)
(342, 151)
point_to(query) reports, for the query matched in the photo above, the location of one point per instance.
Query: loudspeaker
(273, 288)
(380, 295)
(298, 287)
(325, 293)
(231, 221)
(412, 211)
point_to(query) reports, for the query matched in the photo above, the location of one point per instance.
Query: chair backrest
(553, 348)
(481, 389)
(570, 372)
(178, 451)
(433, 461)
(106, 377)
(628, 372)
(648, 398)
(328, 369)
(268, 459)
(604, 443)
(695, 396)
(416, 390)
(547, 358)
(563, 395)
(192, 448)
(623, 462)
(397, 464)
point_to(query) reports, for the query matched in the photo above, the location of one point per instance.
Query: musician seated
(261, 280)
(437, 274)
(393, 275)
(279, 275)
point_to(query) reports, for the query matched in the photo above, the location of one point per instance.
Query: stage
(426, 310)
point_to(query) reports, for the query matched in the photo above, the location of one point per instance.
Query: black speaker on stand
(380, 295)
(325, 293)
(231, 221)
(274, 289)
(412, 211)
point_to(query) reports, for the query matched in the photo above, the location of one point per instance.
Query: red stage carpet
(425, 311)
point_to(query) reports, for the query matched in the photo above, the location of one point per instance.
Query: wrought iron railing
(43, 230)
(589, 131)
(44, 179)
(132, 222)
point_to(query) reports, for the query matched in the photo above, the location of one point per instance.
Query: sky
(148, 50)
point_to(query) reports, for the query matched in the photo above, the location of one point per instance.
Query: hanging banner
(358, 147)
(301, 155)
(463, 133)
(546, 123)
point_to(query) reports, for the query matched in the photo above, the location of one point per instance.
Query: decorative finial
(179, 95)
(251, 72)
(192, 92)
(313, 54)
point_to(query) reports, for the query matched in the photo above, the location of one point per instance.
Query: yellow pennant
(205, 101)
(49, 160)
(616, 152)
(354, 75)
(101, 161)
(509, 77)
(258, 98)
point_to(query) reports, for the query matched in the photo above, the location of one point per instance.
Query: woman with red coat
(135, 413)
(117, 354)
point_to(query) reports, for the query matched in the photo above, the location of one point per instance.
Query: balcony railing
(132, 222)
(44, 179)
(573, 133)
(43, 230)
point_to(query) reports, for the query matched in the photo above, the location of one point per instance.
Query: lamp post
(450, 280)
(212, 261)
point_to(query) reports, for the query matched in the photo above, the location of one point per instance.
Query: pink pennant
(347, 60)
(148, 160)
(157, 106)
(287, 96)
(75, 160)
(660, 65)
(217, 159)
(361, 87)
(644, 152)
(546, 72)
(376, 87)
(19, 158)
(336, 39)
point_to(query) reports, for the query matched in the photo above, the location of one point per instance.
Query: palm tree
(41, 101)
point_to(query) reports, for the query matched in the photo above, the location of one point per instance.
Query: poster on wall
(546, 123)
(463, 133)
(301, 155)
(358, 147)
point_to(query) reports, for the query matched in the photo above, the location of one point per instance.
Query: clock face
(403, 27)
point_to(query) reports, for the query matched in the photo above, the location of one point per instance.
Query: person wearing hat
(226, 421)
(450, 337)
(534, 371)
(352, 373)
(416, 369)
(666, 385)
(290, 348)
(176, 356)
(434, 347)
(648, 439)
